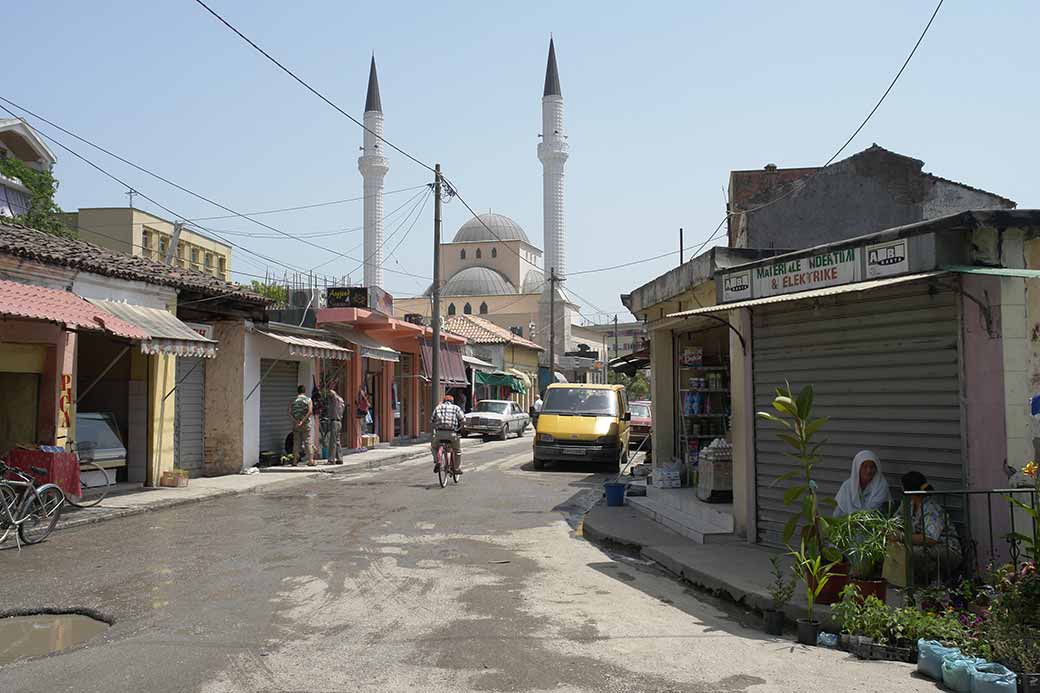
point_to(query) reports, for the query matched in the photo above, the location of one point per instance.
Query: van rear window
(580, 401)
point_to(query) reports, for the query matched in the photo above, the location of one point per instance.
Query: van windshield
(580, 401)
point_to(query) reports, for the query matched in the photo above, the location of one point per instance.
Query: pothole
(36, 635)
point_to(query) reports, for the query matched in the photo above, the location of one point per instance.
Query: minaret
(552, 152)
(373, 166)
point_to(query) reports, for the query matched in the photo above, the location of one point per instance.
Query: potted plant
(848, 613)
(1013, 630)
(863, 537)
(815, 572)
(174, 478)
(780, 592)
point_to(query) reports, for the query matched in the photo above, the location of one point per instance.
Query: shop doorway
(189, 416)
(18, 409)
(277, 391)
(112, 407)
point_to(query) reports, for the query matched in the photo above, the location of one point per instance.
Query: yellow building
(136, 232)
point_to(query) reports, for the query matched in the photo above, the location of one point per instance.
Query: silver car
(496, 417)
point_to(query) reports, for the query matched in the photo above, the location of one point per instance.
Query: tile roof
(481, 331)
(31, 244)
(63, 307)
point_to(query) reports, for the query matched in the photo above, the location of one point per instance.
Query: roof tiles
(481, 331)
(40, 303)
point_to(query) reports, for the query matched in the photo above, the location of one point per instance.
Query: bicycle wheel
(41, 511)
(454, 467)
(90, 495)
(442, 467)
(8, 509)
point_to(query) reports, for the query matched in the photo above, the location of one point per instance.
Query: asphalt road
(382, 581)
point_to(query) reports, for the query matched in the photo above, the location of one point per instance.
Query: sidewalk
(737, 571)
(141, 500)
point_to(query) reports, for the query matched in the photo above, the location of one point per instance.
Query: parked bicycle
(446, 464)
(94, 491)
(30, 509)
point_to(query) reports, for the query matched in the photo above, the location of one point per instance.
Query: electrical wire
(311, 89)
(310, 206)
(388, 237)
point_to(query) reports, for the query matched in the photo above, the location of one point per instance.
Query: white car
(496, 417)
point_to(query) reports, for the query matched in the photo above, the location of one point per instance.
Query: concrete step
(684, 500)
(683, 523)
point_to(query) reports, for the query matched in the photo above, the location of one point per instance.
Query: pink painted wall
(59, 359)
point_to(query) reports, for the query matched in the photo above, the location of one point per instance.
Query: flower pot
(808, 631)
(860, 646)
(1029, 683)
(773, 621)
(871, 588)
(845, 642)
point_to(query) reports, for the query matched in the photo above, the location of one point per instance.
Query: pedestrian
(300, 411)
(538, 404)
(335, 410)
(361, 405)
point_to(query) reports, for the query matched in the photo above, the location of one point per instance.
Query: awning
(62, 307)
(166, 334)
(523, 377)
(500, 379)
(452, 372)
(630, 363)
(815, 293)
(310, 348)
(367, 347)
(995, 271)
(478, 365)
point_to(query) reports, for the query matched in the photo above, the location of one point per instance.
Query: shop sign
(203, 330)
(807, 273)
(736, 287)
(887, 259)
(65, 401)
(369, 297)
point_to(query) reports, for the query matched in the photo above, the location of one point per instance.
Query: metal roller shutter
(884, 366)
(277, 390)
(189, 413)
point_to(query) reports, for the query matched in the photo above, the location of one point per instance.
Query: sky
(662, 100)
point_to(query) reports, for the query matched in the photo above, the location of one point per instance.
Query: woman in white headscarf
(865, 489)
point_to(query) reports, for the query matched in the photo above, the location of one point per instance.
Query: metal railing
(983, 529)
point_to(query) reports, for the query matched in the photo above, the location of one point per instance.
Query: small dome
(478, 281)
(502, 229)
(533, 282)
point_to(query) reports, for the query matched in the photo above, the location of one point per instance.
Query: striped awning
(310, 348)
(166, 334)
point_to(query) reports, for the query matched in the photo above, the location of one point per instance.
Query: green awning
(500, 379)
(995, 271)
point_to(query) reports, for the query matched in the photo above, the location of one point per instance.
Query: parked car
(496, 417)
(642, 424)
(583, 422)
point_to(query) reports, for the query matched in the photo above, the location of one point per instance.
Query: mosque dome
(533, 282)
(478, 281)
(502, 229)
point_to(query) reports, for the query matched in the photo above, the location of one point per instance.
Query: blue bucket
(615, 493)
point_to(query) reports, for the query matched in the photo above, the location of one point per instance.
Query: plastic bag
(957, 671)
(993, 678)
(828, 640)
(930, 657)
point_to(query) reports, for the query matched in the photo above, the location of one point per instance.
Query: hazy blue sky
(662, 101)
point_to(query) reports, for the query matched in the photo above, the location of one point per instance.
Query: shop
(915, 342)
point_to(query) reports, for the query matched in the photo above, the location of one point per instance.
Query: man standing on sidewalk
(300, 410)
(336, 407)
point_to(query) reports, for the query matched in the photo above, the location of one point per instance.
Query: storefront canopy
(367, 347)
(524, 379)
(452, 371)
(166, 334)
(310, 348)
(500, 379)
(630, 363)
(62, 307)
(478, 364)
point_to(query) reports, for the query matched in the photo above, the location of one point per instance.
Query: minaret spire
(373, 166)
(552, 74)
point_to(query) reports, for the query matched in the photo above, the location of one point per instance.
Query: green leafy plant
(1030, 542)
(278, 294)
(1013, 626)
(848, 612)
(863, 537)
(782, 586)
(794, 413)
(43, 214)
(814, 572)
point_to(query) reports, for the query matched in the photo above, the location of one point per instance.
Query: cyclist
(447, 421)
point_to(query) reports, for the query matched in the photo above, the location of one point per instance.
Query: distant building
(875, 189)
(631, 336)
(135, 232)
(19, 141)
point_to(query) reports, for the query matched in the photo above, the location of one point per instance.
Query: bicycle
(38, 507)
(446, 463)
(89, 494)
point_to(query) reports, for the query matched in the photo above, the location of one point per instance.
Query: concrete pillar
(742, 403)
(662, 389)
(386, 425)
(162, 376)
(226, 389)
(415, 405)
(355, 378)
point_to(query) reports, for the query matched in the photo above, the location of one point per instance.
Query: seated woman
(936, 547)
(865, 489)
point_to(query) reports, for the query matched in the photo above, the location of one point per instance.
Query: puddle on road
(43, 634)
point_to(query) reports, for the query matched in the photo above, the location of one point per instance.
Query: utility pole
(435, 367)
(680, 247)
(174, 240)
(552, 324)
(617, 352)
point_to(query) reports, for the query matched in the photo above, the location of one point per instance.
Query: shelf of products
(704, 407)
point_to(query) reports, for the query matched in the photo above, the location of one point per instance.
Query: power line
(310, 206)
(311, 89)
(406, 233)
(177, 186)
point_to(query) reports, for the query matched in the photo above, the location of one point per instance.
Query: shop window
(478, 253)
(222, 264)
(494, 252)
(451, 309)
(467, 309)
(462, 254)
(483, 309)
(194, 256)
(146, 239)
(209, 260)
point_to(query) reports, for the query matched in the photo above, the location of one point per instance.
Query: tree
(636, 385)
(44, 213)
(278, 294)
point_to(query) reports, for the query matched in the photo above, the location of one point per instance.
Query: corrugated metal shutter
(277, 390)
(884, 366)
(189, 417)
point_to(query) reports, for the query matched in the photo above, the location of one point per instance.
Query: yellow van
(583, 422)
